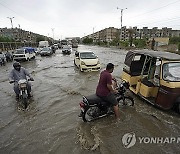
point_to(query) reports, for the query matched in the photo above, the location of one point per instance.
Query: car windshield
(20, 51)
(66, 47)
(87, 55)
(45, 49)
(171, 71)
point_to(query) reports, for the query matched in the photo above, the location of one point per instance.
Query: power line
(164, 21)
(155, 9)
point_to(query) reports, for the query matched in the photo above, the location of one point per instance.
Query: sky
(78, 18)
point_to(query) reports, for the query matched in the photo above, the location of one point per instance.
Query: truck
(43, 44)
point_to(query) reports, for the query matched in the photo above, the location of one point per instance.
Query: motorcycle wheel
(24, 99)
(127, 101)
(90, 114)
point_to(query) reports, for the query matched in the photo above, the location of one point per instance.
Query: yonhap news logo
(130, 139)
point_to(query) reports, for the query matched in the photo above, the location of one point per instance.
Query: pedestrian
(153, 44)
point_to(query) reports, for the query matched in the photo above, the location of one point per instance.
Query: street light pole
(121, 21)
(11, 21)
(93, 34)
(53, 34)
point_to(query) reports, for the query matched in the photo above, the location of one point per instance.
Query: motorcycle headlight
(22, 85)
(83, 63)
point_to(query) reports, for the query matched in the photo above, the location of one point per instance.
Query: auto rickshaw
(154, 76)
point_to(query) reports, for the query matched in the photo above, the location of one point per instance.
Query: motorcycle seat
(94, 99)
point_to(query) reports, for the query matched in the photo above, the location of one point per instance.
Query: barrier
(4, 46)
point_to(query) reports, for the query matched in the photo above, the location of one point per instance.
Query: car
(47, 51)
(56, 46)
(66, 49)
(87, 61)
(25, 53)
(74, 45)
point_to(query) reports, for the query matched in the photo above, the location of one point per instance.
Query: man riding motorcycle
(19, 73)
(105, 88)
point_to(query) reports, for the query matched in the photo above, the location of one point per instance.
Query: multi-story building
(108, 34)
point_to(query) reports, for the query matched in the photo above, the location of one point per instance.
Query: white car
(25, 53)
(87, 61)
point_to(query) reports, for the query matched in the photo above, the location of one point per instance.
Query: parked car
(47, 51)
(66, 49)
(86, 61)
(25, 53)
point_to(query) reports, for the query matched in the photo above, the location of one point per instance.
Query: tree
(40, 38)
(131, 32)
(6, 39)
(87, 40)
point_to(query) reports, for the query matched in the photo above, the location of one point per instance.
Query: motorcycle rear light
(82, 105)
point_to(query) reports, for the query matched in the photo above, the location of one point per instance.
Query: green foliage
(6, 39)
(140, 43)
(124, 43)
(40, 38)
(87, 40)
(174, 40)
(114, 42)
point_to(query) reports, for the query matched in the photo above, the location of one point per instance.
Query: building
(111, 33)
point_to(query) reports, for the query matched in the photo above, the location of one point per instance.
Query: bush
(124, 43)
(140, 43)
(174, 40)
(114, 42)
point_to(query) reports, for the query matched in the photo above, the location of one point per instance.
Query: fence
(4, 46)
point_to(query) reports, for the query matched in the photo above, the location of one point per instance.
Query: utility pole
(53, 34)
(11, 21)
(93, 34)
(121, 22)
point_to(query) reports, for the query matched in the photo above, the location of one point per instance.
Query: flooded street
(51, 123)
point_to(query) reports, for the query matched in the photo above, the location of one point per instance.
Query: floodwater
(51, 123)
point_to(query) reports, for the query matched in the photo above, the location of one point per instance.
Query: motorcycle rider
(105, 88)
(19, 73)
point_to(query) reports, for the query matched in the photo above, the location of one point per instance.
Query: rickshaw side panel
(167, 97)
(132, 80)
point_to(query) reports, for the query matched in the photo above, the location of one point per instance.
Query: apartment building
(108, 34)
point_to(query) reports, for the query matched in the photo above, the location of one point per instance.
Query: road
(51, 123)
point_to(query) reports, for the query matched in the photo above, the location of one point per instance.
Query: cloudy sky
(77, 18)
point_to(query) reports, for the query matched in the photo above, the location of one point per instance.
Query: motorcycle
(23, 95)
(93, 107)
